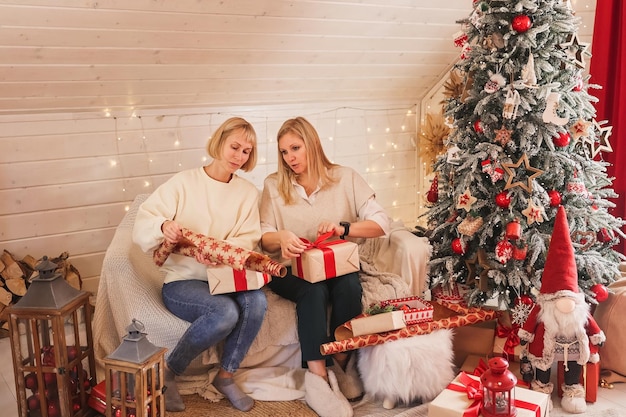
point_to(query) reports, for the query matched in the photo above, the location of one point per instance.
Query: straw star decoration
(510, 170)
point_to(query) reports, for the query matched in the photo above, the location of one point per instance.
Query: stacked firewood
(16, 276)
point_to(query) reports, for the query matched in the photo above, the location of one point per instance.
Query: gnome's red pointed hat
(560, 275)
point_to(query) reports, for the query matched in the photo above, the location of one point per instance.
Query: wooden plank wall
(66, 180)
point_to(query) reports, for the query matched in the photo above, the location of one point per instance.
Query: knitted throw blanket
(218, 251)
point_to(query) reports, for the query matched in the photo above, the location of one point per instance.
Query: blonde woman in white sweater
(309, 196)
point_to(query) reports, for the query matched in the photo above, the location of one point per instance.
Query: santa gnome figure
(560, 326)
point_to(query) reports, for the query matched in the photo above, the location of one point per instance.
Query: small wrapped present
(378, 323)
(325, 259)
(449, 293)
(589, 379)
(224, 279)
(415, 309)
(463, 398)
(506, 342)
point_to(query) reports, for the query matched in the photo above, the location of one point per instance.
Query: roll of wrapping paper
(220, 252)
(446, 316)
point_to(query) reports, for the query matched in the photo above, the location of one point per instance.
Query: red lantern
(519, 252)
(514, 230)
(458, 246)
(600, 292)
(555, 198)
(562, 140)
(503, 200)
(521, 23)
(498, 389)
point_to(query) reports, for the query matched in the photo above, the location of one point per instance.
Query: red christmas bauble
(600, 292)
(524, 299)
(521, 23)
(555, 198)
(33, 402)
(30, 381)
(53, 409)
(458, 246)
(478, 126)
(504, 251)
(503, 200)
(50, 379)
(562, 140)
(72, 353)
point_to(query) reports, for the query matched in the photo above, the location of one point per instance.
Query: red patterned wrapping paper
(445, 316)
(325, 259)
(220, 252)
(225, 279)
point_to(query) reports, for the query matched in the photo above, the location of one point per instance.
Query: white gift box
(450, 403)
(378, 323)
(224, 279)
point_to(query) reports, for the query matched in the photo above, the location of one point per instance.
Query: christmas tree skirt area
(196, 406)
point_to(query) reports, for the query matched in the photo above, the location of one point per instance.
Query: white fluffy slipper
(573, 400)
(325, 400)
(349, 380)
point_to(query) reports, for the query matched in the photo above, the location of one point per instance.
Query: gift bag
(609, 315)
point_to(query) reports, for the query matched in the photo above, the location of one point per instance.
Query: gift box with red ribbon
(463, 398)
(224, 279)
(589, 379)
(325, 259)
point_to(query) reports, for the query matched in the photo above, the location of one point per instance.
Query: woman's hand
(171, 231)
(325, 227)
(205, 261)
(290, 245)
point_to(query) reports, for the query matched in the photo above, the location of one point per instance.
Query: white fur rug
(409, 370)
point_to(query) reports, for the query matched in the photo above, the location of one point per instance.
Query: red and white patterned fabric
(218, 251)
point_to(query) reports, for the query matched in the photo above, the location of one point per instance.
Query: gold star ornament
(510, 169)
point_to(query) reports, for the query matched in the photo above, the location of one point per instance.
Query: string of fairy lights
(389, 131)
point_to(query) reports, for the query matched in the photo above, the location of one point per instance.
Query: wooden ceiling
(128, 55)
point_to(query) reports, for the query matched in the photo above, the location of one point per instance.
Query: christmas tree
(523, 141)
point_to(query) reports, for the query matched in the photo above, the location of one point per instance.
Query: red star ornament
(466, 200)
(503, 135)
(534, 213)
(510, 170)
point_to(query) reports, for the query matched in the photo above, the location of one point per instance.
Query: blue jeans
(234, 318)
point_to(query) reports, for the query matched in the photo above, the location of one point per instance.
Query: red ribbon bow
(329, 256)
(481, 368)
(512, 339)
(474, 391)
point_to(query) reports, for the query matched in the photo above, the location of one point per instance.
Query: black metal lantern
(52, 347)
(134, 375)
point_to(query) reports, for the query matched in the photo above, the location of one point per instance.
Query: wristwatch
(346, 229)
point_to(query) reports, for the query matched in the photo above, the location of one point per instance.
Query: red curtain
(608, 69)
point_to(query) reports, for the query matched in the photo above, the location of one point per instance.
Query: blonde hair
(318, 164)
(230, 126)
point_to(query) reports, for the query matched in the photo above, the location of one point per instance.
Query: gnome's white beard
(566, 325)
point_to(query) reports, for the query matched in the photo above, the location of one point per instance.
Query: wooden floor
(607, 398)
